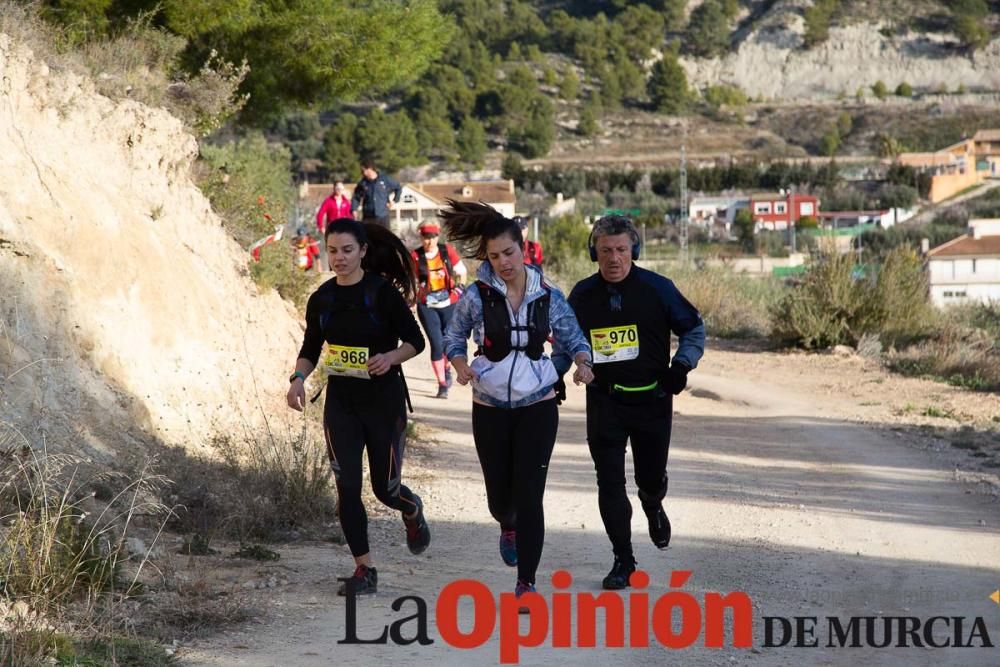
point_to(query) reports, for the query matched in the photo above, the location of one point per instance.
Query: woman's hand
(463, 373)
(380, 364)
(296, 397)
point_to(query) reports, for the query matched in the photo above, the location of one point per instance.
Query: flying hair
(386, 256)
(470, 225)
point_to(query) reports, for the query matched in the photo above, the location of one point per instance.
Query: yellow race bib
(345, 361)
(611, 344)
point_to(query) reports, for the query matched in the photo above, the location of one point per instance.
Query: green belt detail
(648, 387)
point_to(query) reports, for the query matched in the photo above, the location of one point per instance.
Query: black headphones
(636, 243)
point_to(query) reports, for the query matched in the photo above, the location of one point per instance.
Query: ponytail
(471, 224)
(386, 255)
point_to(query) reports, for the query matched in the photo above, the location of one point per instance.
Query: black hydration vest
(497, 326)
(423, 272)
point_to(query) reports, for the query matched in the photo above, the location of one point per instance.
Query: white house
(422, 201)
(707, 210)
(967, 268)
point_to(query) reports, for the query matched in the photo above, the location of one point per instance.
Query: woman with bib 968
(355, 321)
(510, 312)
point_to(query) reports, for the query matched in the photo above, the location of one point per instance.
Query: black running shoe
(418, 534)
(364, 581)
(617, 578)
(659, 527)
(442, 391)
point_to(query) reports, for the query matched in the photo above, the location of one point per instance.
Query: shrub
(904, 90)
(277, 271)
(564, 241)
(880, 90)
(248, 184)
(722, 95)
(838, 305)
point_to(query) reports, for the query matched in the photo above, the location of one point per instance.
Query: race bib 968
(345, 361)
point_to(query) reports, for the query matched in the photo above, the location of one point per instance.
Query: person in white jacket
(510, 312)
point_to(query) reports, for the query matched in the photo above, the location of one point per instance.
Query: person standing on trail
(356, 321)
(337, 205)
(627, 314)
(440, 274)
(375, 194)
(510, 311)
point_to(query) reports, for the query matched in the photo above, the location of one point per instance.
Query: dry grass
(63, 550)
(139, 63)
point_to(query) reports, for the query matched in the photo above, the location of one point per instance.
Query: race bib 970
(619, 343)
(344, 361)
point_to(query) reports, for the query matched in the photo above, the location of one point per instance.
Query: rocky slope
(127, 316)
(770, 61)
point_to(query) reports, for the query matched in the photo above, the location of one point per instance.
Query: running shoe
(508, 547)
(364, 581)
(617, 578)
(418, 534)
(659, 526)
(442, 391)
(520, 589)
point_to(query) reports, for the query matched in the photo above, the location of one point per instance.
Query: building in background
(967, 268)
(422, 201)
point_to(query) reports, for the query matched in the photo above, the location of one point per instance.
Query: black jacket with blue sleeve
(655, 307)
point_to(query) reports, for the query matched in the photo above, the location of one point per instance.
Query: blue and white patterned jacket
(516, 380)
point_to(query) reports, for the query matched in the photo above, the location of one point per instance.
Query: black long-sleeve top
(656, 307)
(337, 314)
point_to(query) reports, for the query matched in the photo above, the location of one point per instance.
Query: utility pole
(791, 213)
(684, 207)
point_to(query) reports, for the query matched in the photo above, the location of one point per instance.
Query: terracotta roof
(967, 246)
(987, 135)
(768, 196)
(496, 192)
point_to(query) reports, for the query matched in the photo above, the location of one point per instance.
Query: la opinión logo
(629, 618)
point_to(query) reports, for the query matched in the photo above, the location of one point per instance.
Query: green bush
(564, 241)
(836, 305)
(880, 90)
(722, 95)
(817, 20)
(904, 90)
(248, 183)
(276, 270)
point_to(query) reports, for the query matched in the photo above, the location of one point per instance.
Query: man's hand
(675, 379)
(583, 374)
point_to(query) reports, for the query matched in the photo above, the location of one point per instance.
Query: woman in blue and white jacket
(510, 312)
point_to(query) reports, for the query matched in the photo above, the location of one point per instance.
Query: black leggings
(610, 424)
(360, 414)
(514, 448)
(435, 321)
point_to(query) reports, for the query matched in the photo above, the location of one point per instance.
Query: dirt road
(771, 494)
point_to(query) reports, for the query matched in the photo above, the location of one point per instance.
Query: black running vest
(497, 326)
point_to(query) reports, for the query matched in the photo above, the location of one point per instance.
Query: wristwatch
(296, 374)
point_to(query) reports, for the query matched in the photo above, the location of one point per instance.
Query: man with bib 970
(627, 314)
